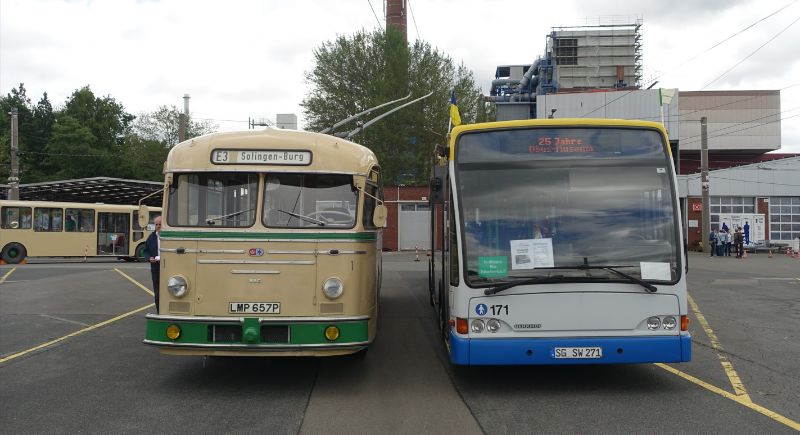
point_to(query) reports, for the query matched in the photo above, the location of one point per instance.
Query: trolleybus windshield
(538, 199)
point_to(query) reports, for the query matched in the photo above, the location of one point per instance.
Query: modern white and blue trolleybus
(560, 244)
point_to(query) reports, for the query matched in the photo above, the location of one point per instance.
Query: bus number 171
(499, 309)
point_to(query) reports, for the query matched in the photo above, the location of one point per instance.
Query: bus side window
(47, 219)
(16, 218)
(79, 220)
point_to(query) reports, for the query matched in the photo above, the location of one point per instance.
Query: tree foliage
(163, 126)
(353, 73)
(88, 136)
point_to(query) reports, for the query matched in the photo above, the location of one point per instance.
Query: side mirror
(144, 215)
(379, 216)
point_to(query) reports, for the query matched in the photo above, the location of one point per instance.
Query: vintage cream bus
(270, 245)
(71, 229)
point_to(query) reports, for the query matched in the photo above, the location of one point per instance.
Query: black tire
(430, 282)
(139, 253)
(13, 253)
(361, 354)
(444, 315)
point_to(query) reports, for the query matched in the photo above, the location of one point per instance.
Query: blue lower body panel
(524, 351)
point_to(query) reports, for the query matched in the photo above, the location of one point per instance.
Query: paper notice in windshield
(656, 271)
(531, 253)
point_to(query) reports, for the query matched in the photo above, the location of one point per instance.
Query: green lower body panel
(256, 333)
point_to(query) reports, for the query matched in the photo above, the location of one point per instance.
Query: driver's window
(310, 201)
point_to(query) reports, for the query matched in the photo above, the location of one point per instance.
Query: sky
(242, 59)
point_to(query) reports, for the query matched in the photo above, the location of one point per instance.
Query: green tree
(74, 151)
(352, 74)
(104, 117)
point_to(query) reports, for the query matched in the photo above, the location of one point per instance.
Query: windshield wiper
(532, 280)
(647, 286)
(305, 218)
(585, 266)
(236, 213)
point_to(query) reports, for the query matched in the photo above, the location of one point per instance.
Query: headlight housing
(177, 286)
(493, 325)
(669, 323)
(477, 326)
(653, 323)
(333, 288)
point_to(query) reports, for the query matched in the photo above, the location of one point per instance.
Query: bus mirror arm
(144, 212)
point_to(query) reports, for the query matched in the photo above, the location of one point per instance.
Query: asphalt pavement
(71, 361)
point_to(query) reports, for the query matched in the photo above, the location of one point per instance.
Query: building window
(566, 51)
(784, 218)
(730, 205)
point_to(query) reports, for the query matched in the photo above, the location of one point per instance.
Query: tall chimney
(396, 15)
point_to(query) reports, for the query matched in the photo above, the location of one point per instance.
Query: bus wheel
(140, 253)
(361, 354)
(430, 282)
(13, 253)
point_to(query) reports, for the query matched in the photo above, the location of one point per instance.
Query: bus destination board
(260, 157)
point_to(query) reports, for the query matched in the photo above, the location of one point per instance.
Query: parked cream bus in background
(270, 245)
(71, 229)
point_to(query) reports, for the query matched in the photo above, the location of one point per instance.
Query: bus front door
(112, 233)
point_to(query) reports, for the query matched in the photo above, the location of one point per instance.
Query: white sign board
(260, 157)
(755, 224)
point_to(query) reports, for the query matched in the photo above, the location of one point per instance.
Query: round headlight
(178, 286)
(493, 325)
(333, 288)
(653, 323)
(477, 325)
(670, 322)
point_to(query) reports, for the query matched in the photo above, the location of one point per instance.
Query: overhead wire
(376, 15)
(752, 53)
(414, 20)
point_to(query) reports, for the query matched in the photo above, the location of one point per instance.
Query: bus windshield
(225, 199)
(535, 200)
(310, 200)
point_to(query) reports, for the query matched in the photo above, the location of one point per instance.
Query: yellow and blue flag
(455, 117)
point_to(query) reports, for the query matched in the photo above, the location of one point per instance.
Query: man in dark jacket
(152, 253)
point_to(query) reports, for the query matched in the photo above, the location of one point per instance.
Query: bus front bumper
(542, 351)
(242, 335)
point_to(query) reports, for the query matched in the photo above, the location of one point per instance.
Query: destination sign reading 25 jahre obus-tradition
(263, 157)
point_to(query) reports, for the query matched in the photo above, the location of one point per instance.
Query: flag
(454, 116)
(665, 95)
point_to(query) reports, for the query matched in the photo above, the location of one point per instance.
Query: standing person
(152, 248)
(738, 240)
(728, 243)
(746, 232)
(721, 243)
(712, 241)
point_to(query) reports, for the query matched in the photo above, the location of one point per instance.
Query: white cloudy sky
(242, 58)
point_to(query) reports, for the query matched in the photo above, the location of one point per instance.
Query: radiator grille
(275, 334)
(331, 308)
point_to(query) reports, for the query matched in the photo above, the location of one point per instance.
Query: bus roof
(61, 204)
(328, 153)
(562, 122)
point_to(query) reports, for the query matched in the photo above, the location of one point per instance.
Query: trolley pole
(13, 178)
(704, 183)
